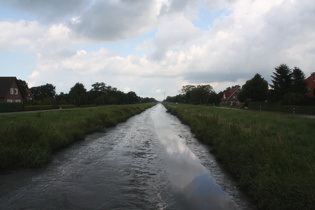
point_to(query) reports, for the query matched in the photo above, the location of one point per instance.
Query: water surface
(152, 161)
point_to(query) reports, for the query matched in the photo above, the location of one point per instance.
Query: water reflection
(195, 186)
(204, 193)
(141, 164)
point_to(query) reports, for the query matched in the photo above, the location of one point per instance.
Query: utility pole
(164, 94)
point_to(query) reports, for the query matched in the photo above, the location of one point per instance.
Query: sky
(154, 47)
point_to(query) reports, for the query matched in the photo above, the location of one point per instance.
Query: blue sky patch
(206, 17)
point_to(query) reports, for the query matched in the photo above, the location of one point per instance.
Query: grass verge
(28, 139)
(271, 156)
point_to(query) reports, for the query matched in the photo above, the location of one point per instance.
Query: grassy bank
(271, 156)
(28, 139)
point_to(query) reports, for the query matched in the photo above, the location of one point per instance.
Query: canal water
(152, 161)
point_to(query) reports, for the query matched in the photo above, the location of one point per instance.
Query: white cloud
(252, 37)
(20, 33)
(175, 34)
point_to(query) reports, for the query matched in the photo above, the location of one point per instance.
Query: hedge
(276, 107)
(11, 107)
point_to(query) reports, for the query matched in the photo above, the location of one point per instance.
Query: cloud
(116, 20)
(126, 73)
(242, 38)
(20, 33)
(101, 20)
(47, 11)
(175, 34)
(256, 37)
(187, 7)
(215, 5)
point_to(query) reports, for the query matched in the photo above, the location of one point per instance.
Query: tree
(185, 89)
(201, 94)
(281, 81)
(62, 98)
(148, 100)
(99, 87)
(176, 99)
(297, 91)
(77, 94)
(198, 95)
(216, 98)
(289, 86)
(255, 89)
(47, 92)
(298, 81)
(97, 94)
(132, 98)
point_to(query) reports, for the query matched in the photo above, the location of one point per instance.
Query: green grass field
(28, 139)
(271, 156)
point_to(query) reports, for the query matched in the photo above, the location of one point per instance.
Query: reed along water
(151, 161)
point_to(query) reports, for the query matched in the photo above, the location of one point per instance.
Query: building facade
(310, 85)
(230, 97)
(9, 90)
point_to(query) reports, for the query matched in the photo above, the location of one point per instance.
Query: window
(16, 91)
(10, 101)
(18, 101)
(11, 91)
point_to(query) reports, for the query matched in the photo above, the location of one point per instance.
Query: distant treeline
(99, 94)
(201, 94)
(288, 87)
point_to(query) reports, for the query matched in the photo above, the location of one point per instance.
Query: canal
(151, 161)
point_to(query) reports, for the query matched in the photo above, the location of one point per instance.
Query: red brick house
(230, 96)
(9, 91)
(310, 85)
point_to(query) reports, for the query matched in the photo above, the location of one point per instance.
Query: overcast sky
(152, 46)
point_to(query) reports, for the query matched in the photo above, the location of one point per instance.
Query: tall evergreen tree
(281, 81)
(298, 81)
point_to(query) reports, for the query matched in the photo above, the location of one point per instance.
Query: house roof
(5, 84)
(228, 94)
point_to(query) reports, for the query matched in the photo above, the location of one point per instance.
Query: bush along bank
(271, 156)
(28, 139)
